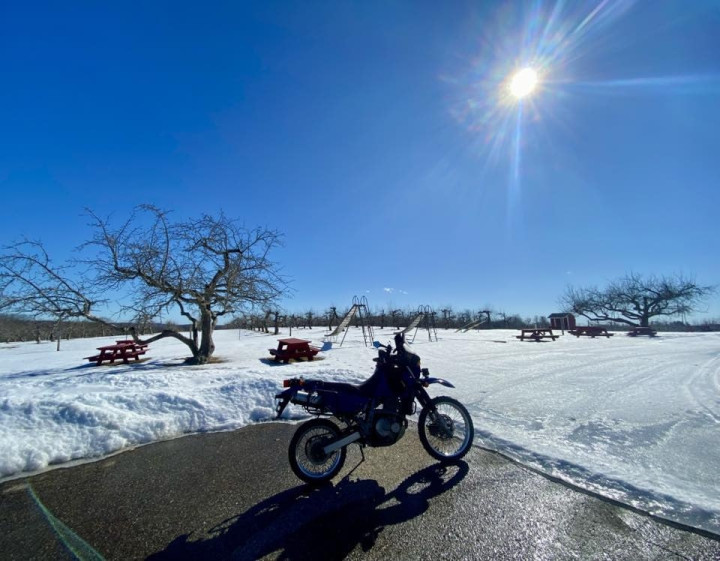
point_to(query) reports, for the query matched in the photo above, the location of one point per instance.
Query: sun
(523, 83)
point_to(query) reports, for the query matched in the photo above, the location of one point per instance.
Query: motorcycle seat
(342, 387)
(367, 389)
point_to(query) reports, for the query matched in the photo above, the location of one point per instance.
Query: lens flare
(523, 83)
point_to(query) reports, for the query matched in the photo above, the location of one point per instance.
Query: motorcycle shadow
(323, 523)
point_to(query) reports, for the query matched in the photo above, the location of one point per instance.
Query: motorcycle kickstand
(360, 446)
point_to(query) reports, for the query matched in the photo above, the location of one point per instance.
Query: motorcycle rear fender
(441, 381)
(284, 398)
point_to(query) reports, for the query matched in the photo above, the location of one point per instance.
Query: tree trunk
(194, 332)
(207, 346)
(58, 328)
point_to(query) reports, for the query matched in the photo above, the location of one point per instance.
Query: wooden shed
(562, 321)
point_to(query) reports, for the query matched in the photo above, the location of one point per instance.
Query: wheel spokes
(448, 432)
(313, 461)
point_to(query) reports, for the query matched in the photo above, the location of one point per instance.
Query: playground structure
(360, 309)
(424, 319)
(476, 322)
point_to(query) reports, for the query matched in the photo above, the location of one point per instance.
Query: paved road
(232, 496)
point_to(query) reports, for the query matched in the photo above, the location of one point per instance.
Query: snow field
(634, 419)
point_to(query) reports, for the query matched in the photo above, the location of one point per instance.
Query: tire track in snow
(703, 388)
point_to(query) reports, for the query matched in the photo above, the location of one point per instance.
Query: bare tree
(634, 299)
(396, 318)
(205, 268)
(447, 316)
(332, 317)
(276, 321)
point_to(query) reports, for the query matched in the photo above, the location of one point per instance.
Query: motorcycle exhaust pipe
(330, 448)
(303, 398)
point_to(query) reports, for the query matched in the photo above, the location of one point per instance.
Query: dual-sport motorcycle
(373, 413)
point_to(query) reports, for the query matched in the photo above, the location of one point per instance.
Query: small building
(562, 321)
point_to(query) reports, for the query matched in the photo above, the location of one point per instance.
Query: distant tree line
(447, 318)
(272, 320)
(15, 328)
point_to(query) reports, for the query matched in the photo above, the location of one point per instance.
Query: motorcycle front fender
(441, 381)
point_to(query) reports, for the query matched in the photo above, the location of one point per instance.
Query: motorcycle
(373, 414)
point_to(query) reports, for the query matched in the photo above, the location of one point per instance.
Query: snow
(634, 419)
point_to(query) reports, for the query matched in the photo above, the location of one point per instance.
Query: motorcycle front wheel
(446, 429)
(307, 458)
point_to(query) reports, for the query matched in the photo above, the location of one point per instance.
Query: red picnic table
(124, 350)
(536, 334)
(649, 331)
(292, 348)
(591, 331)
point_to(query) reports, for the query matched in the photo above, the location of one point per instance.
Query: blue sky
(379, 137)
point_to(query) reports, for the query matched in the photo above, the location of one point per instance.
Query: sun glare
(523, 83)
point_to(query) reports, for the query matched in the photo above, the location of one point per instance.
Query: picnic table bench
(591, 331)
(121, 350)
(292, 348)
(536, 334)
(649, 331)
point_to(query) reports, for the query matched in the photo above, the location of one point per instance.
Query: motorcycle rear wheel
(447, 434)
(307, 459)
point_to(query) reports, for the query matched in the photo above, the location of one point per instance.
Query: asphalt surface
(232, 496)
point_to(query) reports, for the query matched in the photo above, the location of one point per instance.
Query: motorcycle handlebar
(385, 352)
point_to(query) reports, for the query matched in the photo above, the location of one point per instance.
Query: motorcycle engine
(388, 428)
